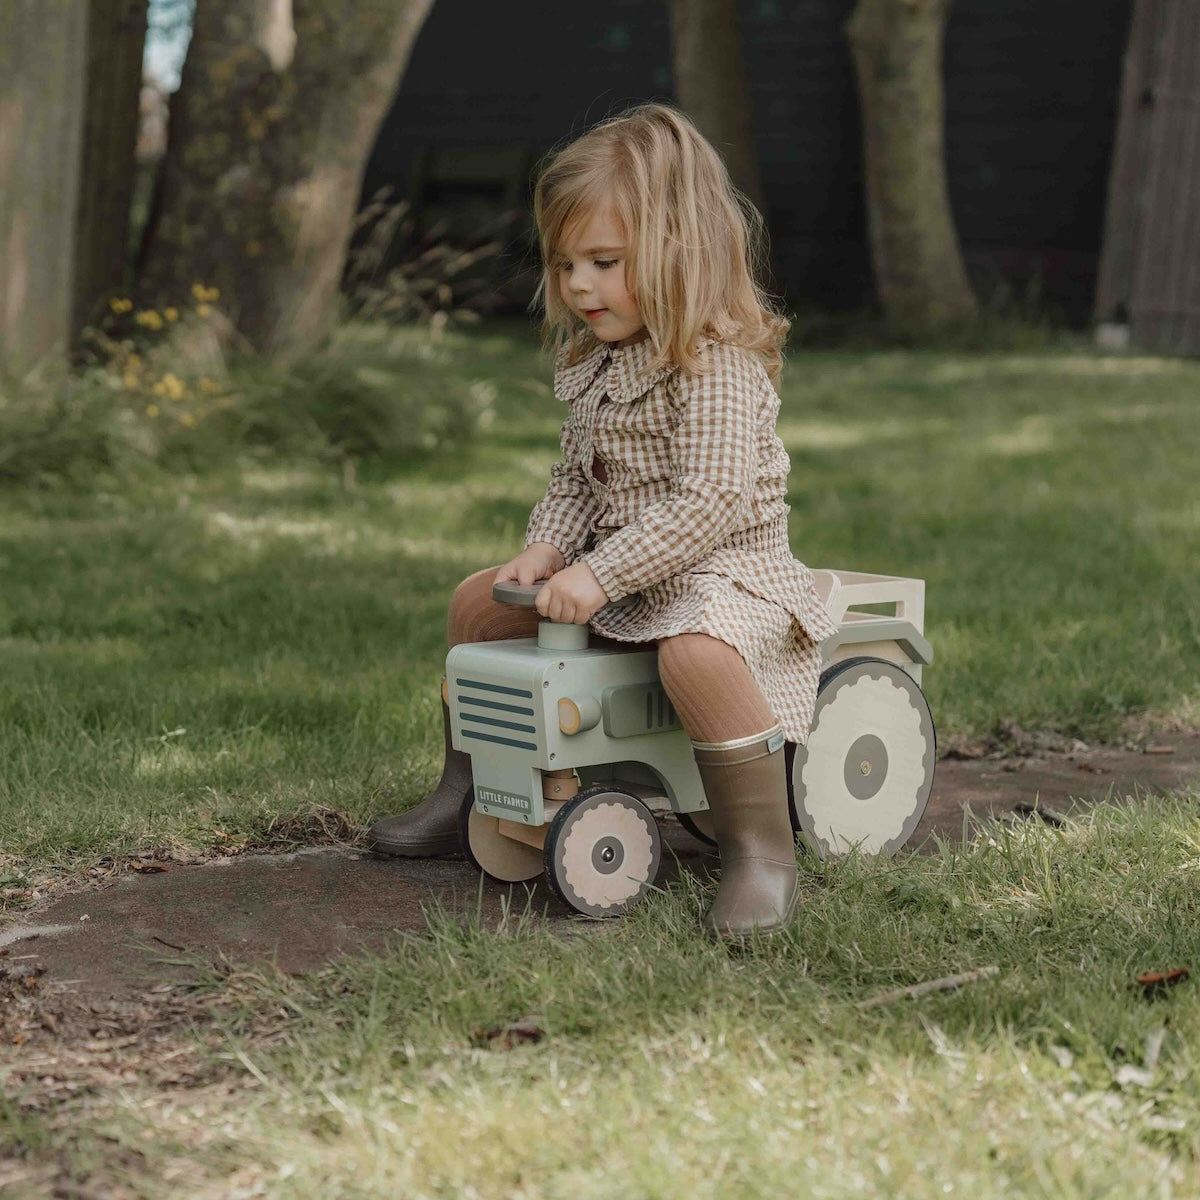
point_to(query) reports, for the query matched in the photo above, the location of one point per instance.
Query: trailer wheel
(864, 777)
(602, 852)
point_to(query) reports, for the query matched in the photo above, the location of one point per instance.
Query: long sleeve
(563, 517)
(713, 467)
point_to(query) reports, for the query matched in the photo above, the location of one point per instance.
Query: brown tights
(707, 680)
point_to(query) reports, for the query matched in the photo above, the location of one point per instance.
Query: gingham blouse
(687, 524)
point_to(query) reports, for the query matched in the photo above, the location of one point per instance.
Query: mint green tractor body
(574, 747)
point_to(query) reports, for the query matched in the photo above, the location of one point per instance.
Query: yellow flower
(149, 319)
(170, 387)
(152, 410)
(130, 380)
(188, 420)
(205, 295)
(174, 386)
(120, 305)
(172, 314)
(202, 310)
(133, 362)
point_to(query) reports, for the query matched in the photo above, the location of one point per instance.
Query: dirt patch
(1052, 772)
(74, 1046)
(293, 911)
(70, 1062)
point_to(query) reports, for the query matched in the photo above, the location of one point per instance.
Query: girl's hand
(572, 596)
(539, 561)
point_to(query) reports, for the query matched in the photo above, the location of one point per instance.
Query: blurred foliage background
(216, 276)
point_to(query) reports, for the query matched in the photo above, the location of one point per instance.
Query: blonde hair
(695, 242)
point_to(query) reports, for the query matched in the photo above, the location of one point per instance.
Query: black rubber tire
(688, 821)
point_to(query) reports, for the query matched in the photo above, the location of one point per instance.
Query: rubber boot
(746, 787)
(432, 827)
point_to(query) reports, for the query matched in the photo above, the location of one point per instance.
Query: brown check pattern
(690, 526)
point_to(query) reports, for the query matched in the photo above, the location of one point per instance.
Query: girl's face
(591, 277)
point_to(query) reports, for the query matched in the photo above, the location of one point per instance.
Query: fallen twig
(1155, 983)
(932, 985)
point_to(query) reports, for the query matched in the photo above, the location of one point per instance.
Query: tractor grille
(491, 712)
(636, 708)
(659, 713)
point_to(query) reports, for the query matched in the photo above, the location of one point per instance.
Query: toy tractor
(570, 744)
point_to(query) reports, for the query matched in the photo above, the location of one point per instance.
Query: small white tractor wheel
(699, 824)
(602, 852)
(864, 777)
(488, 850)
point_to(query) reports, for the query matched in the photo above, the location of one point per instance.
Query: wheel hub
(866, 766)
(607, 855)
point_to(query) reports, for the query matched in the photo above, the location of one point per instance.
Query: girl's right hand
(539, 561)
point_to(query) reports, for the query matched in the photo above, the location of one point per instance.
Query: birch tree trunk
(42, 55)
(897, 48)
(710, 84)
(116, 39)
(270, 131)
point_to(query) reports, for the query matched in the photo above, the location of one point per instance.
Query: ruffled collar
(631, 370)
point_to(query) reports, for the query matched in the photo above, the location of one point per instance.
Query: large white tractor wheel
(863, 780)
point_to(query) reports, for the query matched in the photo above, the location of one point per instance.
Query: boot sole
(429, 849)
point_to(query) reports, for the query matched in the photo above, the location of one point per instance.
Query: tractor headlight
(576, 716)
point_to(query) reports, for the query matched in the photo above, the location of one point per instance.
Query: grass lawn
(660, 1065)
(253, 655)
(215, 660)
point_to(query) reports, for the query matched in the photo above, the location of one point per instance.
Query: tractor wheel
(864, 777)
(602, 852)
(699, 824)
(499, 857)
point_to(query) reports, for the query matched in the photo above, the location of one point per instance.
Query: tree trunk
(269, 135)
(897, 47)
(116, 39)
(42, 53)
(710, 84)
(1130, 168)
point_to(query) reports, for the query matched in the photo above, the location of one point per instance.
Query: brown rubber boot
(747, 794)
(432, 827)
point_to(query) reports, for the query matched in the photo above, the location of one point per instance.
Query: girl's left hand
(571, 595)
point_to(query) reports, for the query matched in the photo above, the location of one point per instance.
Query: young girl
(670, 492)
